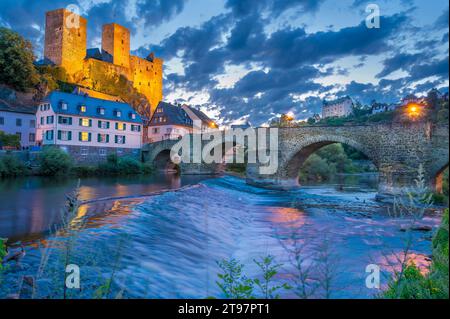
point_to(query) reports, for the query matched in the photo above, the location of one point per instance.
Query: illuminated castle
(65, 45)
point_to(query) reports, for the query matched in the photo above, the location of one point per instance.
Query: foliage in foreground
(434, 285)
(409, 282)
(236, 285)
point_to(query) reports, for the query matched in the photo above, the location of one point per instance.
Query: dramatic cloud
(259, 58)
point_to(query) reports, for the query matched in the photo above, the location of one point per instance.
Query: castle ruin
(66, 46)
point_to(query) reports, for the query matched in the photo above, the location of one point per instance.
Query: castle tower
(65, 39)
(116, 43)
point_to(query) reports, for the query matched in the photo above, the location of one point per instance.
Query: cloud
(275, 7)
(442, 21)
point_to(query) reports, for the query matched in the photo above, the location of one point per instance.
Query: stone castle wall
(65, 45)
(65, 39)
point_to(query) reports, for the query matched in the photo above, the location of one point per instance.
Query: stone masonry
(397, 150)
(65, 45)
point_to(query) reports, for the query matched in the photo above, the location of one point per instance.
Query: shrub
(129, 166)
(11, 140)
(122, 166)
(147, 168)
(11, 166)
(54, 161)
(85, 171)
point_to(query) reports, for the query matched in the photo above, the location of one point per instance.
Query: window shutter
(107, 124)
(98, 137)
(124, 127)
(124, 139)
(59, 134)
(115, 139)
(79, 136)
(89, 136)
(117, 125)
(59, 119)
(90, 122)
(70, 121)
(80, 121)
(107, 138)
(99, 124)
(69, 137)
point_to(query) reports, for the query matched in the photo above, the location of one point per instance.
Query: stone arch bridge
(397, 150)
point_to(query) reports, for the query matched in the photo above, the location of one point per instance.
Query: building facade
(338, 108)
(65, 45)
(88, 128)
(20, 121)
(171, 122)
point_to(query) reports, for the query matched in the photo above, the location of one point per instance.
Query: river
(162, 236)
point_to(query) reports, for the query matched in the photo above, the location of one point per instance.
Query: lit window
(120, 126)
(84, 136)
(83, 108)
(84, 122)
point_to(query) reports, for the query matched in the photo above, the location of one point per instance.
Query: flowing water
(167, 245)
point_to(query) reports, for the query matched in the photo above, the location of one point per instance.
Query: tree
(11, 140)
(16, 61)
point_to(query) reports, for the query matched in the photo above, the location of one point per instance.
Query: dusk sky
(256, 59)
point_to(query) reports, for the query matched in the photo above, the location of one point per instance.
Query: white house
(87, 127)
(171, 122)
(338, 108)
(19, 120)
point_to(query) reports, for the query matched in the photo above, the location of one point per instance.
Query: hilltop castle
(65, 46)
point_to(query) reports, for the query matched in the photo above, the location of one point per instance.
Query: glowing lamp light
(290, 116)
(414, 110)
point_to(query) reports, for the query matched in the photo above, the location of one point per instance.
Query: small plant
(3, 251)
(269, 270)
(233, 283)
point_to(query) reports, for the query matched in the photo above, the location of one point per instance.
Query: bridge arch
(438, 178)
(309, 146)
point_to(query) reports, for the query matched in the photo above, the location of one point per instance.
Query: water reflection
(30, 206)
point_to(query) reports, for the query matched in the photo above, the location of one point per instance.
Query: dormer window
(101, 111)
(117, 113)
(83, 108)
(132, 115)
(63, 106)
